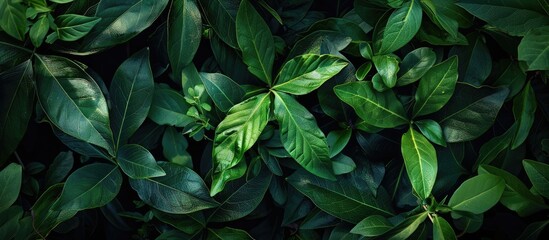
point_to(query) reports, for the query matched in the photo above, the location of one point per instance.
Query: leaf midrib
(435, 89)
(376, 104)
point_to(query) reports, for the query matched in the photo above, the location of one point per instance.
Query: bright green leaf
(436, 87)
(477, 194)
(420, 159)
(39, 30)
(372, 226)
(401, 27)
(431, 130)
(387, 68)
(415, 64)
(71, 27)
(442, 230)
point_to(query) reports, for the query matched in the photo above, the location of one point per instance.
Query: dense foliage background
(272, 119)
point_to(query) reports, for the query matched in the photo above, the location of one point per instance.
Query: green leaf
(337, 140)
(13, 19)
(387, 68)
(256, 42)
(524, 110)
(61, 1)
(90, 186)
(168, 107)
(224, 92)
(533, 230)
(10, 222)
(11, 177)
(350, 192)
(45, 217)
(363, 70)
(470, 112)
(71, 27)
(406, 228)
(131, 94)
(490, 150)
(236, 134)
(72, 100)
(442, 230)
(240, 199)
(477, 194)
(538, 173)
(187, 223)
(475, 62)
(401, 27)
(227, 233)
(431, 130)
(420, 159)
(342, 164)
(533, 49)
(446, 15)
(39, 30)
(174, 147)
(121, 20)
(372, 226)
(221, 15)
(380, 109)
(59, 168)
(16, 100)
(303, 74)
(301, 136)
(436, 87)
(137, 162)
(415, 64)
(181, 191)
(184, 34)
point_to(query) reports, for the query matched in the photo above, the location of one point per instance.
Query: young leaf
(59, 168)
(305, 73)
(533, 49)
(477, 194)
(184, 34)
(13, 19)
(39, 30)
(301, 136)
(538, 173)
(137, 162)
(168, 107)
(401, 27)
(431, 130)
(436, 87)
(174, 147)
(180, 191)
(256, 42)
(45, 217)
(221, 15)
(420, 159)
(224, 92)
(415, 64)
(236, 134)
(372, 226)
(90, 186)
(73, 101)
(380, 109)
(387, 68)
(131, 92)
(16, 100)
(524, 110)
(71, 27)
(442, 230)
(10, 177)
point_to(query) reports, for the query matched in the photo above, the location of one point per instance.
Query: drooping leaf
(387, 68)
(131, 92)
(168, 107)
(90, 186)
(372, 226)
(59, 168)
(305, 73)
(71, 27)
(533, 49)
(256, 42)
(181, 191)
(72, 100)
(420, 159)
(236, 134)
(227, 233)
(431, 130)
(137, 162)
(301, 136)
(538, 173)
(16, 100)
(442, 230)
(380, 109)
(477, 194)
(414, 65)
(45, 217)
(174, 147)
(524, 109)
(221, 14)
(12, 18)
(184, 34)
(436, 87)
(224, 92)
(11, 177)
(401, 27)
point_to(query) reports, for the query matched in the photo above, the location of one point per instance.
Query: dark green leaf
(72, 100)
(221, 14)
(39, 30)
(538, 173)
(169, 108)
(533, 49)
(45, 217)
(184, 34)
(71, 27)
(174, 147)
(493, 147)
(446, 15)
(16, 53)
(477, 194)
(181, 191)
(524, 109)
(415, 64)
(533, 230)
(90, 186)
(12, 18)
(342, 164)
(401, 27)
(337, 140)
(436, 87)
(137, 162)
(442, 230)
(59, 168)
(431, 130)
(10, 177)
(380, 109)
(227, 233)
(387, 68)
(131, 91)
(256, 42)
(188, 223)
(475, 62)
(372, 226)
(420, 159)
(301, 136)
(224, 92)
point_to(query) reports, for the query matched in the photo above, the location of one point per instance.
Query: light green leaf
(363, 70)
(442, 230)
(415, 64)
(406, 228)
(431, 130)
(90, 186)
(477, 194)
(184, 34)
(16, 100)
(39, 30)
(387, 68)
(372, 226)
(524, 110)
(401, 27)
(71, 27)
(168, 107)
(181, 191)
(420, 159)
(305, 73)
(533, 49)
(342, 164)
(436, 87)
(45, 217)
(256, 42)
(174, 147)
(538, 173)
(236, 134)
(59, 168)
(10, 177)
(380, 109)
(224, 92)
(137, 162)
(72, 100)
(131, 92)
(13, 19)
(221, 15)
(301, 136)
(227, 233)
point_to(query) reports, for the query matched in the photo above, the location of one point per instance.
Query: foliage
(271, 119)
